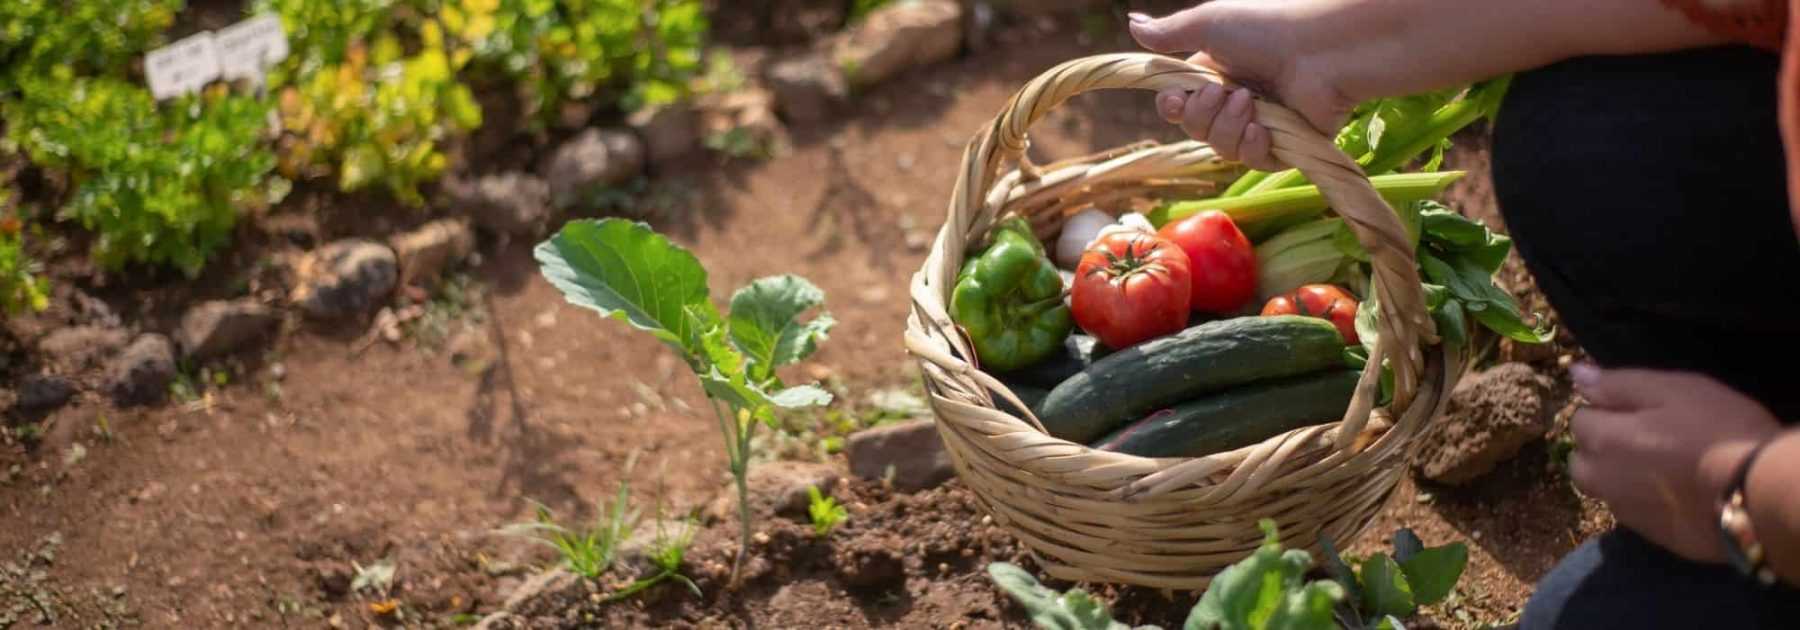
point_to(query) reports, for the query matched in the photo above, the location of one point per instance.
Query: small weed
(741, 143)
(457, 299)
(722, 75)
(825, 511)
(588, 553)
(666, 553)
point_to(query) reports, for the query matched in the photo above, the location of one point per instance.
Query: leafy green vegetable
(1074, 610)
(1266, 591)
(626, 271)
(1385, 589)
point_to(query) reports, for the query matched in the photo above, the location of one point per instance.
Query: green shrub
(88, 36)
(20, 286)
(354, 101)
(156, 185)
(628, 53)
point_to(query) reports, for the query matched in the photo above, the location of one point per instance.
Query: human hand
(1660, 447)
(1256, 44)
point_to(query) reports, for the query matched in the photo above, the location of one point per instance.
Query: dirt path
(249, 510)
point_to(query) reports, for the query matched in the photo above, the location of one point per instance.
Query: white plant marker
(182, 67)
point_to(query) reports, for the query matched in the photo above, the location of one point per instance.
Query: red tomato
(1222, 260)
(1323, 301)
(1131, 287)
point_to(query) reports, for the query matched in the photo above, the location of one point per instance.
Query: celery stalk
(1261, 214)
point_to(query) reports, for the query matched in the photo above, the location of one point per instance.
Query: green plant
(157, 185)
(628, 53)
(1270, 590)
(354, 99)
(825, 512)
(91, 37)
(860, 9)
(665, 553)
(21, 288)
(626, 271)
(588, 552)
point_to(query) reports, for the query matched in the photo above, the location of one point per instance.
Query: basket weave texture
(1172, 523)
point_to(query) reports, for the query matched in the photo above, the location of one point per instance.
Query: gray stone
(669, 131)
(516, 204)
(142, 372)
(594, 160)
(43, 392)
(424, 253)
(344, 278)
(898, 37)
(807, 88)
(911, 448)
(1491, 415)
(221, 327)
(78, 348)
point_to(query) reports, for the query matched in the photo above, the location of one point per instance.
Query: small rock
(221, 327)
(42, 392)
(912, 448)
(554, 583)
(334, 583)
(750, 110)
(77, 348)
(94, 311)
(669, 131)
(807, 88)
(777, 487)
(596, 159)
(516, 204)
(898, 37)
(424, 253)
(141, 373)
(1491, 416)
(347, 277)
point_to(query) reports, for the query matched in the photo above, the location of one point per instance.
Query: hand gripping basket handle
(1404, 320)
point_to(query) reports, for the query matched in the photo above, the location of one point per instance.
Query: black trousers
(1647, 196)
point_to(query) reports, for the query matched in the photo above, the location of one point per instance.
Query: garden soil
(274, 500)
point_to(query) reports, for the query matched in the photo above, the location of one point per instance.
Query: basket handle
(1404, 319)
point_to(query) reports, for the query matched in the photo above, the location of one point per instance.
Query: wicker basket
(1095, 516)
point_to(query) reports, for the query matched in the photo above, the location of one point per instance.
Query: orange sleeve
(1760, 23)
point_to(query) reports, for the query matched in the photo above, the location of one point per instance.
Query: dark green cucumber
(1032, 396)
(1237, 418)
(1207, 358)
(1078, 353)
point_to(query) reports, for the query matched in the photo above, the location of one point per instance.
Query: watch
(1742, 548)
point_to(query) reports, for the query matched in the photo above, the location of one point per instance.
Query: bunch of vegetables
(1217, 323)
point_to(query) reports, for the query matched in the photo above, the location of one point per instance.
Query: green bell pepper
(1010, 300)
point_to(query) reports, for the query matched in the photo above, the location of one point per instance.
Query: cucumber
(1162, 372)
(1032, 396)
(1079, 351)
(1237, 418)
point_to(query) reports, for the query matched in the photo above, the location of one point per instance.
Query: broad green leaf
(1450, 230)
(1309, 608)
(1406, 543)
(1385, 590)
(765, 322)
(1470, 283)
(1452, 326)
(1250, 593)
(1075, 610)
(626, 271)
(726, 379)
(800, 396)
(1433, 572)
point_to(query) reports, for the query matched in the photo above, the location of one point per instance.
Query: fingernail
(1138, 18)
(1584, 374)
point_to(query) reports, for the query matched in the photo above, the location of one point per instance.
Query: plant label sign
(182, 67)
(249, 46)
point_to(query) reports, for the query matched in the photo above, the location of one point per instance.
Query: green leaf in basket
(1266, 591)
(1074, 610)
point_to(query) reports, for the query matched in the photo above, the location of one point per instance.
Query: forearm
(1771, 493)
(1378, 48)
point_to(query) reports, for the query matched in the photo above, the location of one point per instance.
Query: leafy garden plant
(21, 287)
(626, 271)
(825, 511)
(1270, 590)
